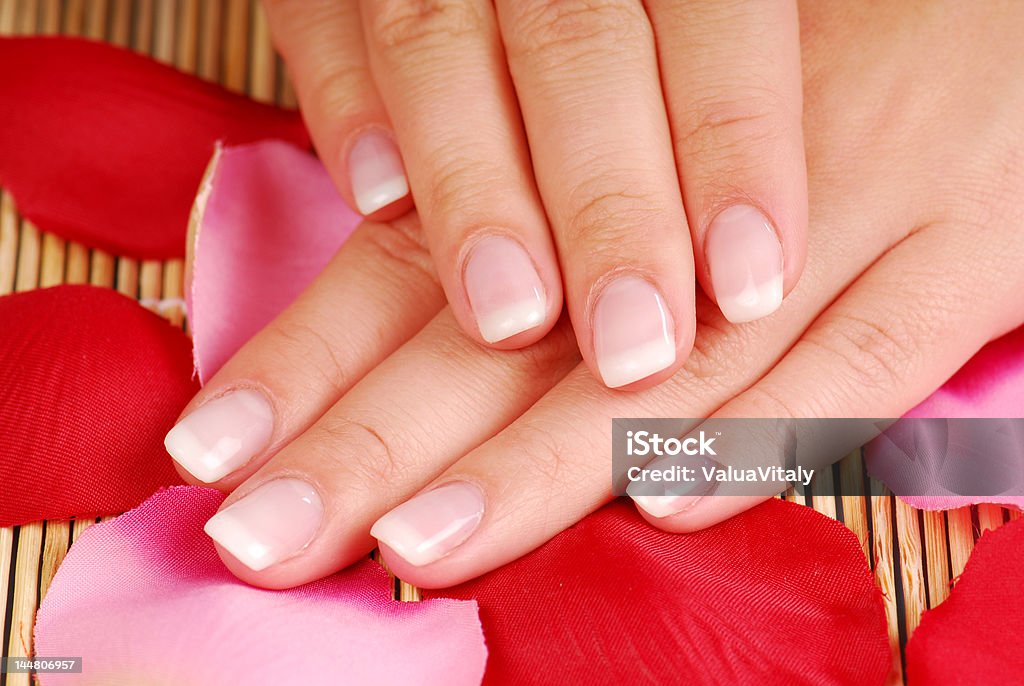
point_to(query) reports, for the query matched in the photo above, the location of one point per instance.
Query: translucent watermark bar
(42, 665)
(982, 458)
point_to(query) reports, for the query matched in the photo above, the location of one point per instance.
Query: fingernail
(745, 260)
(634, 334)
(376, 172)
(274, 522)
(222, 435)
(664, 505)
(432, 524)
(504, 289)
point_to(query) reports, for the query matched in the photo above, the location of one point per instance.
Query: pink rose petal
(989, 385)
(268, 220)
(145, 599)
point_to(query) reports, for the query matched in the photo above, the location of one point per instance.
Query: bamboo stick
(851, 484)
(882, 551)
(29, 255)
(6, 560)
(823, 493)
(908, 537)
(28, 14)
(263, 64)
(121, 22)
(96, 21)
(209, 57)
(936, 557)
(8, 17)
(52, 269)
(55, 547)
(186, 53)
(961, 539)
(50, 18)
(73, 19)
(990, 517)
(26, 590)
(8, 243)
(236, 45)
(163, 31)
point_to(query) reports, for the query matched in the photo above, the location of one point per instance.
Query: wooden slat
(26, 590)
(855, 514)
(960, 536)
(908, 537)
(936, 556)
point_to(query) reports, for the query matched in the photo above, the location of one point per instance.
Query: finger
(375, 294)
(469, 166)
(321, 41)
(883, 347)
(587, 79)
(732, 79)
(553, 464)
(308, 511)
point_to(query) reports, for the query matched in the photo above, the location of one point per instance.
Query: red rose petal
(777, 595)
(973, 637)
(106, 147)
(91, 383)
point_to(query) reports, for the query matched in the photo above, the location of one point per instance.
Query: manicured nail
(665, 505)
(376, 172)
(504, 289)
(432, 524)
(222, 435)
(634, 334)
(745, 259)
(274, 522)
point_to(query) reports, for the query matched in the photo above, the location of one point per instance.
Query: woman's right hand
(364, 406)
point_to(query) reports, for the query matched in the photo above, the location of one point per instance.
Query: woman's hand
(462, 459)
(555, 143)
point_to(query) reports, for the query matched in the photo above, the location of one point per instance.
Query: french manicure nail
(634, 333)
(504, 289)
(659, 506)
(222, 435)
(376, 172)
(274, 522)
(745, 260)
(432, 524)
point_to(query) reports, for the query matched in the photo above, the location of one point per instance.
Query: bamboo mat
(915, 555)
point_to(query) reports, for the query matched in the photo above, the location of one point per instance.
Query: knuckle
(570, 28)
(332, 87)
(872, 354)
(765, 403)
(399, 247)
(605, 220)
(462, 185)
(403, 25)
(724, 125)
(360, 449)
(306, 346)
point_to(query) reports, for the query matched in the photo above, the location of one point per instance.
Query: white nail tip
(636, 363)
(657, 506)
(511, 320)
(232, 535)
(381, 195)
(753, 302)
(207, 465)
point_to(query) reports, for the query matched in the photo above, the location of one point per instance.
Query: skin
(576, 145)
(914, 263)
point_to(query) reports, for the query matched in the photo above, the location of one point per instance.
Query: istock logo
(643, 443)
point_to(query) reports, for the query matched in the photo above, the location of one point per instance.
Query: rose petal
(91, 383)
(107, 147)
(971, 638)
(778, 595)
(145, 599)
(266, 223)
